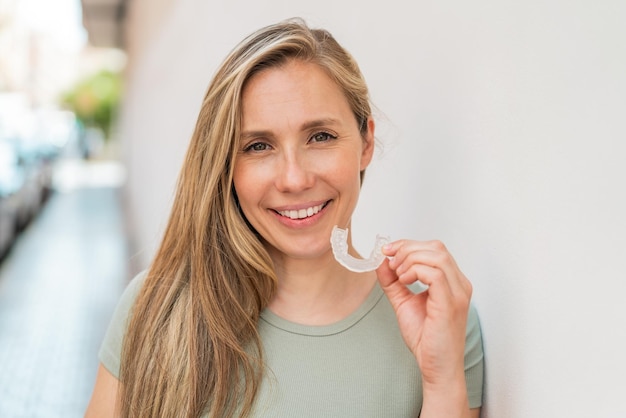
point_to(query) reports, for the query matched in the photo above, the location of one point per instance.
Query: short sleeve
(111, 348)
(474, 360)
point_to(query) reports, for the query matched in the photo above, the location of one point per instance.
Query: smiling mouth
(301, 213)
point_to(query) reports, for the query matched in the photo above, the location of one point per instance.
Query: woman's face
(300, 155)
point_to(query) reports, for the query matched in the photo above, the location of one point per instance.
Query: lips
(301, 213)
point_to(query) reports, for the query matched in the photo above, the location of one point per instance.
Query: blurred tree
(95, 99)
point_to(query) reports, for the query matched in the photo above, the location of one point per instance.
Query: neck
(317, 291)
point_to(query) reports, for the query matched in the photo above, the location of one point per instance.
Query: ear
(368, 144)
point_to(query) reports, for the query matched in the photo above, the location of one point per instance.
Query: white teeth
(302, 213)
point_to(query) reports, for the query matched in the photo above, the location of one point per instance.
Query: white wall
(502, 126)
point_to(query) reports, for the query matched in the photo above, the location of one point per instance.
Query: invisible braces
(339, 244)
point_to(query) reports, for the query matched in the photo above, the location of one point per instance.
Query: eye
(322, 137)
(256, 147)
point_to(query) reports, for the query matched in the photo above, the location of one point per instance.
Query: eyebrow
(317, 123)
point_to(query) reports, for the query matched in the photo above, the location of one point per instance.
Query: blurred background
(501, 128)
(63, 241)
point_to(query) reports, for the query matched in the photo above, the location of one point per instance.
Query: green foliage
(95, 100)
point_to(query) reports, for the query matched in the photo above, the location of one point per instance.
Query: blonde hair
(192, 345)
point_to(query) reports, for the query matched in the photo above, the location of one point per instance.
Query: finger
(423, 245)
(431, 253)
(443, 298)
(432, 259)
(443, 276)
(396, 291)
(439, 254)
(436, 280)
(386, 275)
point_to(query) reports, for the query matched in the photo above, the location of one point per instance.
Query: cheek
(243, 186)
(250, 182)
(344, 168)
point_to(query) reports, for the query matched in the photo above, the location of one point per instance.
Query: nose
(294, 174)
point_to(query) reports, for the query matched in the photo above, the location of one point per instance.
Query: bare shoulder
(104, 397)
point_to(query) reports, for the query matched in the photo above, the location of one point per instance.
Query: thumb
(386, 276)
(396, 292)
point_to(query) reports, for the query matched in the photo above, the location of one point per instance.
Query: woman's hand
(433, 322)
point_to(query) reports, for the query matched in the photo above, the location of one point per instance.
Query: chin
(301, 251)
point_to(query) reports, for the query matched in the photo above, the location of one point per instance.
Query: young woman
(244, 310)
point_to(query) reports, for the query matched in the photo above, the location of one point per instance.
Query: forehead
(296, 89)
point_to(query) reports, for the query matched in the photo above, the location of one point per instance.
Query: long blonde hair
(192, 345)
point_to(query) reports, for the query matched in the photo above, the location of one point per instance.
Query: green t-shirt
(358, 367)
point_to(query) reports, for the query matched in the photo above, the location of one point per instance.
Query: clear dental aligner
(339, 244)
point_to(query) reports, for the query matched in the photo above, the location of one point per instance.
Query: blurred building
(104, 20)
(15, 47)
(32, 61)
(43, 54)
